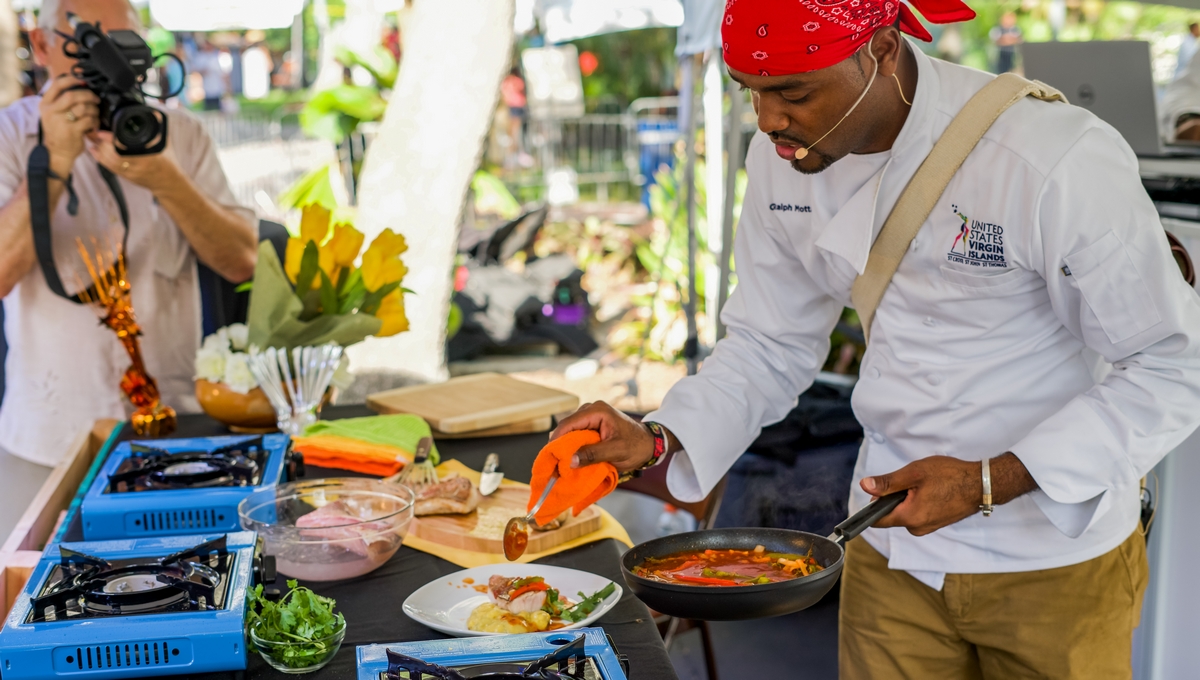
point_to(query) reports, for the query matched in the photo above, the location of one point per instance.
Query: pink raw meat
(342, 525)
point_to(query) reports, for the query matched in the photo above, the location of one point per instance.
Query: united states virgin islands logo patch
(979, 244)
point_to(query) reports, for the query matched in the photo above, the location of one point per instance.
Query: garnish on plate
(528, 604)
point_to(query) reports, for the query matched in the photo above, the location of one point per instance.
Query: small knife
(489, 480)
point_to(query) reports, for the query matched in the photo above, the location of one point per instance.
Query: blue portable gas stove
(134, 608)
(579, 654)
(182, 486)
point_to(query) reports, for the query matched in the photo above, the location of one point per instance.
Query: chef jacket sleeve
(778, 323)
(1114, 284)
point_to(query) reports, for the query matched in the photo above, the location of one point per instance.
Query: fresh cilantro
(300, 616)
(587, 605)
(554, 604)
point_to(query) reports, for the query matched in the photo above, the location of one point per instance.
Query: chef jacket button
(875, 372)
(930, 321)
(877, 438)
(935, 379)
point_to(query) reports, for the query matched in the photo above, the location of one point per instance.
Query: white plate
(445, 604)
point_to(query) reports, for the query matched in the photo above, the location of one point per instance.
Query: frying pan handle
(869, 515)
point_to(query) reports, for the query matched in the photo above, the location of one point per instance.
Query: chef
(1043, 260)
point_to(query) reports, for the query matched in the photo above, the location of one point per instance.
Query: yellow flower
(295, 252)
(381, 263)
(327, 261)
(345, 244)
(314, 223)
(391, 313)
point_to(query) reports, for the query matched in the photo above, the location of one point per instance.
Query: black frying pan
(729, 603)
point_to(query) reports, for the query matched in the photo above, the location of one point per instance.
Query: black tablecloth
(372, 603)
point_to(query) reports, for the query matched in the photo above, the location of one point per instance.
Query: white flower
(217, 341)
(237, 374)
(210, 363)
(239, 336)
(342, 377)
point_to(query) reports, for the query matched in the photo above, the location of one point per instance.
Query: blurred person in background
(256, 66)
(1180, 110)
(1187, 48)
(512, 91)
(63, 369)
(1006, 36)
(207, 64)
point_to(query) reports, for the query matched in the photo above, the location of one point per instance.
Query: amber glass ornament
(110, 294)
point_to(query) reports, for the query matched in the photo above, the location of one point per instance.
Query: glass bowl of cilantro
(298, 634)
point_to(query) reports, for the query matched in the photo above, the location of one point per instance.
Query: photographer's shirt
(64, 369)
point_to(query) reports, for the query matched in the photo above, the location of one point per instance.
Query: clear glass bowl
(281, 655)
(359, 524)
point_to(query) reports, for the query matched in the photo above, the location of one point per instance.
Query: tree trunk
(10, 66)
(420, 165)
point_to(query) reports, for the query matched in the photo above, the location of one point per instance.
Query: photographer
(63, 368)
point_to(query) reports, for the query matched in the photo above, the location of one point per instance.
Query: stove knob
(268, 574)
(296, 464)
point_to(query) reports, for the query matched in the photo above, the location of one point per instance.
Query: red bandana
(784, 37)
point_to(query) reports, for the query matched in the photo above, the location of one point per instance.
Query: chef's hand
(154, 171)
(944, 490)
(624, 442)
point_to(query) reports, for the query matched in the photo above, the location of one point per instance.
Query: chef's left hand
(941, 491)
(153, 171)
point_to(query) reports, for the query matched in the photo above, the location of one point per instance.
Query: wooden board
(475, 402)
(542, 424)
(46, 512)
(454, 531)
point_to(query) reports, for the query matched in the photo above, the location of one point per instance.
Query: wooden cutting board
(543, 424)
(454, 531)
(475, 402)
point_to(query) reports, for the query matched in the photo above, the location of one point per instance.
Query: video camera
(114, 66)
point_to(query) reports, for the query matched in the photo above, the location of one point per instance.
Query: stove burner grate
(569, 662)
(83, 586)
(150, 468)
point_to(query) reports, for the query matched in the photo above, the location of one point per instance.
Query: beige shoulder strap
(927, 185)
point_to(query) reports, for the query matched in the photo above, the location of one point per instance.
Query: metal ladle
(516, 532)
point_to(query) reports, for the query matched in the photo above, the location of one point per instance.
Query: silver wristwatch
(986, 506)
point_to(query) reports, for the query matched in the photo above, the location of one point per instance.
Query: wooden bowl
(250, 412)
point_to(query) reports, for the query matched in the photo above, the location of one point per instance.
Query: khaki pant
(1071, 623)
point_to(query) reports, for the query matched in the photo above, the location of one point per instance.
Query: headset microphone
(802, 152)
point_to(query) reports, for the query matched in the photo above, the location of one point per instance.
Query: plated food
(449, 603)
(453, 496)
(727, 567)
(528, 604)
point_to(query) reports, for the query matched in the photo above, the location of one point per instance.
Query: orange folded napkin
(344, 453)
(576, 488)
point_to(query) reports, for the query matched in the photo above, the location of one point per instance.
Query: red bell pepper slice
(705, 580)
(528, 588)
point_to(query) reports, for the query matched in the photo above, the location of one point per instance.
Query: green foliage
(315, 187)
(633, 64)
(1086, 20)
(492, 197)
(300, 616)
(335, 113)
(378, 61)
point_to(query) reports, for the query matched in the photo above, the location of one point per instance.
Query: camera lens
(136, 126)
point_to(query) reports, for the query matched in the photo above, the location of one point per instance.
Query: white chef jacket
(977, 348)
(63, 369)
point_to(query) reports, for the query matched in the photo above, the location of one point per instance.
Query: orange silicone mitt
(576, 488)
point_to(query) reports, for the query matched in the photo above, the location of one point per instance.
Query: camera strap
(38, 176)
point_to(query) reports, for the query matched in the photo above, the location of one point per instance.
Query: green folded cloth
(402, 430)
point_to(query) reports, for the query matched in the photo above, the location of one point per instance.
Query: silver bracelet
(986, 506)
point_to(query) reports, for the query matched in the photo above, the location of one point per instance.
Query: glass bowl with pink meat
(329, 529)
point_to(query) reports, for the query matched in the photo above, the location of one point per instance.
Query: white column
(417, 170)
(714, 185)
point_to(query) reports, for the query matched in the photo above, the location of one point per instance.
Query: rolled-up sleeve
(778, 323)
(1115, 285)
